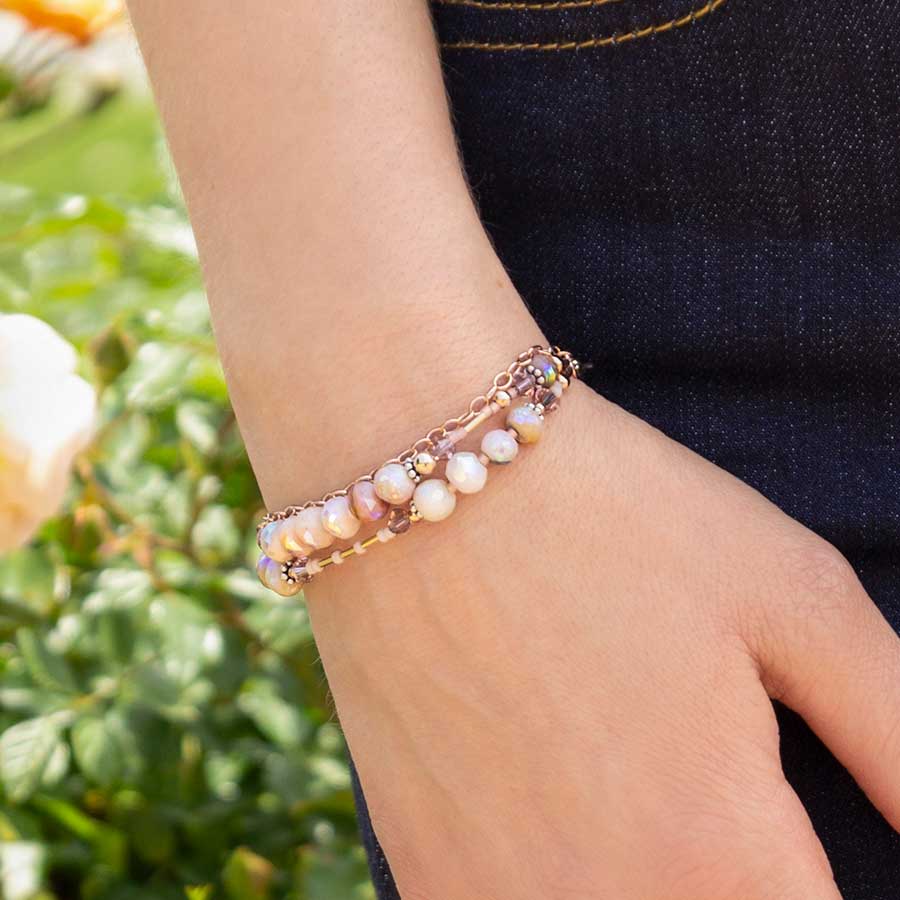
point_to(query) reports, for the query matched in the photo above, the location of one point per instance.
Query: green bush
(166, 728)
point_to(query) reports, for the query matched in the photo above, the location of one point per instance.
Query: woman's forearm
(356, 299)
(561, 690)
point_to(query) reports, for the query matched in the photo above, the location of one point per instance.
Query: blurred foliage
(166, 731)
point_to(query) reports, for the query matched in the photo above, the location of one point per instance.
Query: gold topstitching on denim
(525, 4)
(610, 40)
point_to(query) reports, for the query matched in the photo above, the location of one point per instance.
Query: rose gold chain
(502, 381)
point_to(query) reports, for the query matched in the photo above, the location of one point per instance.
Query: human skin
(562, 691)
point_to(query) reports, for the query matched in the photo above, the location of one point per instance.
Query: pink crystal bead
(522, 383)
(398, 521)
(367, 505)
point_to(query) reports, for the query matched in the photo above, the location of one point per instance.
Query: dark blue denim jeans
(711, 215)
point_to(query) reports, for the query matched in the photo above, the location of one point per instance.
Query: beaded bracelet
(395, 493)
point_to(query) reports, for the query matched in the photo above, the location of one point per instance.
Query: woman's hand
(563, 690)
(560, 692)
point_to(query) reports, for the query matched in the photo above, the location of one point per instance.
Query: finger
(828, 653)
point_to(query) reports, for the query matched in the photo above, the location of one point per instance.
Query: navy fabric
(711, 216)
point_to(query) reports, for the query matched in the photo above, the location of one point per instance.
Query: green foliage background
(166, 731)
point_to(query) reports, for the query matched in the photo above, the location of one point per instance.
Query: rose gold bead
(424, 463)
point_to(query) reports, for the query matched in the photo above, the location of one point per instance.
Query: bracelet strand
(395, 493)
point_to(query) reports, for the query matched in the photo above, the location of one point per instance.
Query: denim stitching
(611, 40)
(520, 5)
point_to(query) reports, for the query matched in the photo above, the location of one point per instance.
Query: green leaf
(97, 750)
(154, 377)
(151, 836)
(192, 640)
(247, 875)
(116, 636)
(26, 750)
(57, 766)
(47, 668)
(275, 717)
(199, 892)
(109, 843)
(27, 581)
(118, 589)
(224, 772)
(215, 534)
(197, 421)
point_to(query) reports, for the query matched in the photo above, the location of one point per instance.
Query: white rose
(46, 416)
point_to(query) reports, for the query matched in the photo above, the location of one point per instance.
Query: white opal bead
(499, 446)
(466, 472)
(393, 484)
(291, 535)
(527, 423)
(271, 541)
(434, 500)
(338, 518)
(269, 571)
(310, 529)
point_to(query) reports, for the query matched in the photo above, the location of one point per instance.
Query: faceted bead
(271, 541)
(300, 573)
(522, 383)
(434, 500)
(398, 521)
(548, 399)
(310, 529)
(443, 448)
(393, 484)
(527, 423)
(367, 505)
(466, 472)
(291, 535)
(269, 572)
(544, 369)
(338, 518)
(499, 446)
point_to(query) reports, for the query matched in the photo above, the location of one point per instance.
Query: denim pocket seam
(610, 40)
(526, 5)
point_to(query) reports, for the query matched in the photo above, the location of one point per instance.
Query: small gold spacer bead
(424, 463)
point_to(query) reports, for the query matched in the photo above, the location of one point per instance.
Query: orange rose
(79, 19)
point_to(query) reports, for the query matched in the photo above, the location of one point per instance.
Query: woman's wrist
(398, 368)
(420, 483)
(432, 564)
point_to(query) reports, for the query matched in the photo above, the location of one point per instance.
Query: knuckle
(815, 596)
(821, 580)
